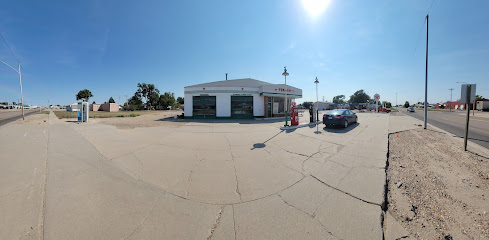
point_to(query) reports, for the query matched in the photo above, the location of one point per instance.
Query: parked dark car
(341, 117)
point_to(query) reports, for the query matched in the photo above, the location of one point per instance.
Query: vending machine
(294, 115)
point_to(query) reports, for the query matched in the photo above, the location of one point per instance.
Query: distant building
(454, 105)
(94, 107)
(482, 105)
(322, 105)
(107, 107)
(73, 107)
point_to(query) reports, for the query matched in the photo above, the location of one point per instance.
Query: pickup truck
(387, 110)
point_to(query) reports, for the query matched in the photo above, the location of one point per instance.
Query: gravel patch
(436, 190)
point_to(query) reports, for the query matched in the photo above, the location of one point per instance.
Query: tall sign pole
(426, 76)
(467, 108)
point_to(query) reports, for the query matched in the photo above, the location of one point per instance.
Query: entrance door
(204, 107)
(242, 106)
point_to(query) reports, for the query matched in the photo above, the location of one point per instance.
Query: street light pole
(21, 95)
(317, 104)
(285, 74)
(20, 80)
(426, 76)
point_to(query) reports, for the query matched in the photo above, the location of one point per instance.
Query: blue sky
(110, 46)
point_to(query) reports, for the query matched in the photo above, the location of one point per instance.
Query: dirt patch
(155, 119)
(33, 119)
(436, 190)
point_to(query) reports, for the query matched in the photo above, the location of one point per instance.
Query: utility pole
(450, 105)
(396, 99)
(20, 80)
(426, 76)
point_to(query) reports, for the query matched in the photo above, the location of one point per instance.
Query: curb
(300, 126)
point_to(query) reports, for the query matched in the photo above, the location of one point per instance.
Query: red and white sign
(376, 96)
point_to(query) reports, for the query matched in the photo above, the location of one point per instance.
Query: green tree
(180, 100)
(93, 102)
(387, 104)
(359, 97)
(340, 99)
(84, 94)
(307, 105)
(167, 99)
(135, 102)
(406, 104)
(478, 97)
(150, 93)
(111, 100)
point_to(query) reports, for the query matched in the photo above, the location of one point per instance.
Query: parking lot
(196, 180)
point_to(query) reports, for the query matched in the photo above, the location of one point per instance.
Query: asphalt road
(7, 116)
(454, 122)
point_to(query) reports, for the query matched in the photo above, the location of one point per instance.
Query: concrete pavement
(200, 181)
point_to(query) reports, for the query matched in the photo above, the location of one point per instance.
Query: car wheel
(345, 124)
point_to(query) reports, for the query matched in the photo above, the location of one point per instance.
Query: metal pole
(426, 77)
(467, 101)
(473, 109)
(317, 107)
(450, 106)
(21, 96)
(286, 105)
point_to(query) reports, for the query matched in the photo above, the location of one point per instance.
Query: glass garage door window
(204, 107)
(242, 106)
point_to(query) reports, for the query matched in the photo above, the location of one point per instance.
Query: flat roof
(243, 82)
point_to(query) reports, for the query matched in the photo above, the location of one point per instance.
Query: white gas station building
(238, 98)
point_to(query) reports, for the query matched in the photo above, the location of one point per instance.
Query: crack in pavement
(216, 223)
(234, 223)
(14, 191)
(42, 216)
(234, 166)
(283, 164)
(347, 193)
(144, 220)
(189, 179)
(311, 216)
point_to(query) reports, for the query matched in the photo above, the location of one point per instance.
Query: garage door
(204, 107)
(242, 106)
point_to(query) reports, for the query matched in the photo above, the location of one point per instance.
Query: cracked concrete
(206, 181)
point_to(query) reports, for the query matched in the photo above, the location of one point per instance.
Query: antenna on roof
(226, 76)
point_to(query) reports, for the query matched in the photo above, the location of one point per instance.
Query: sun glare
(315, 7)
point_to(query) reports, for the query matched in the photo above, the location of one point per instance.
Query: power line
(432, 3)
(5, 41)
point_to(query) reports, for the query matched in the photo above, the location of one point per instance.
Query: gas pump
(294, 115)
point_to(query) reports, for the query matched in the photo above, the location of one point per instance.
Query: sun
(315, 7)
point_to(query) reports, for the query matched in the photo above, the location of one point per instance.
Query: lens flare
(315, 7)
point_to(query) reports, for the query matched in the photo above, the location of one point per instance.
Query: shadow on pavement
(478, 155)
(475, 139)
(339, 129)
